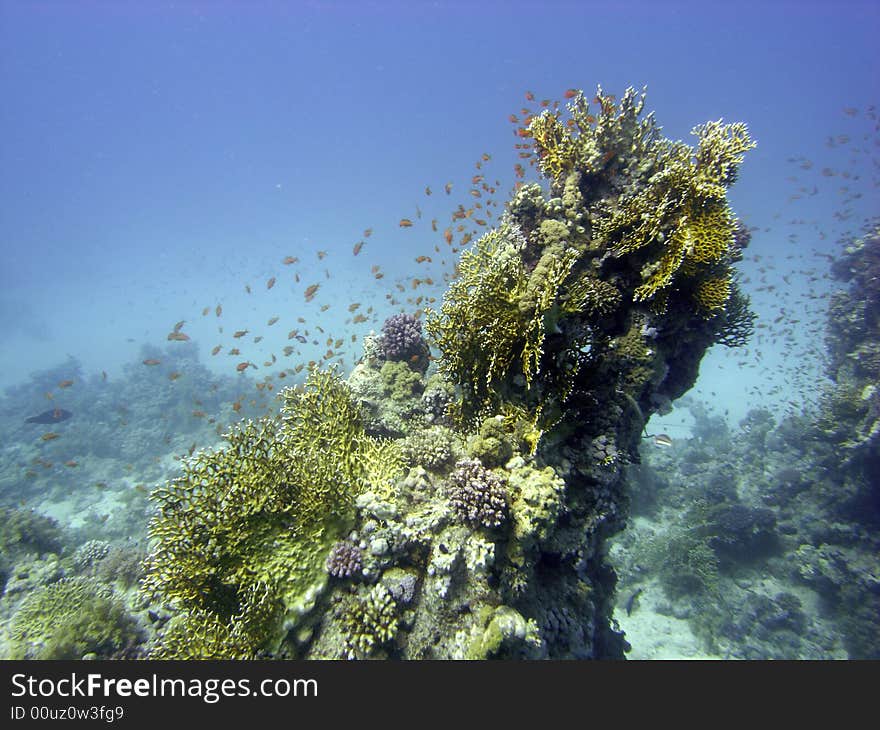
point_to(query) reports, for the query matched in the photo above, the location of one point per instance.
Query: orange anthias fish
(311, 291)
(242, 366)
(270, 283)
(288, 260)
(65, 383)
(152, 361)
(357, 248)
(405, 223)
(178, 336)
(570, 93)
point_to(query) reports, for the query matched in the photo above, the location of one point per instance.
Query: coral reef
(766, 539)
(566, 327)
(402, 339)
(252, 524)
(478, 496)
(345, 560)
(72, 619)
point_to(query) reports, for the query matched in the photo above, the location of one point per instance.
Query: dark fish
(631, 601)
(53, 415)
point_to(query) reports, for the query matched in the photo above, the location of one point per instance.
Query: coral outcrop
(472, 499)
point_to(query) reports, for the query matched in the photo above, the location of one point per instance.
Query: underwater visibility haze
(394, 330)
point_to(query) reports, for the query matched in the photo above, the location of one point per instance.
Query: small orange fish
(368, 232)
(423, 259)
(513, 119)
(151, 361)
(448, 188)
(174, 376)
(310, 291)
(405, 223)
(240, 333)
(234, 351)
(354, 306)
(427, 190)
(357, 248)
(65, 383)
(272, 321)
(358, 318)
(71, 463)
(530, 96)
(270, 283)
(178, 336)
(242, 366)
(218, 310)
(570, 93)
(216, 349)
(205, 311)
(50, 436)
(288, 260)
(447, 235)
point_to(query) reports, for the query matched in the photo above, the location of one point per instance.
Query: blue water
(161, 159)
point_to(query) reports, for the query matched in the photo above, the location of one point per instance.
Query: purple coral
(401, 337)
(478, 496)
(345, 560)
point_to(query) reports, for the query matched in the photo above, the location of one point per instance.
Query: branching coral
(668, 196)
(69, 619)
(370, 622)
(259, 517)
(478, 496)
(496, 317)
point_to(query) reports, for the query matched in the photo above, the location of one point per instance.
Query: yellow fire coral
(712, 294)
(702, 236)
(242, 535)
